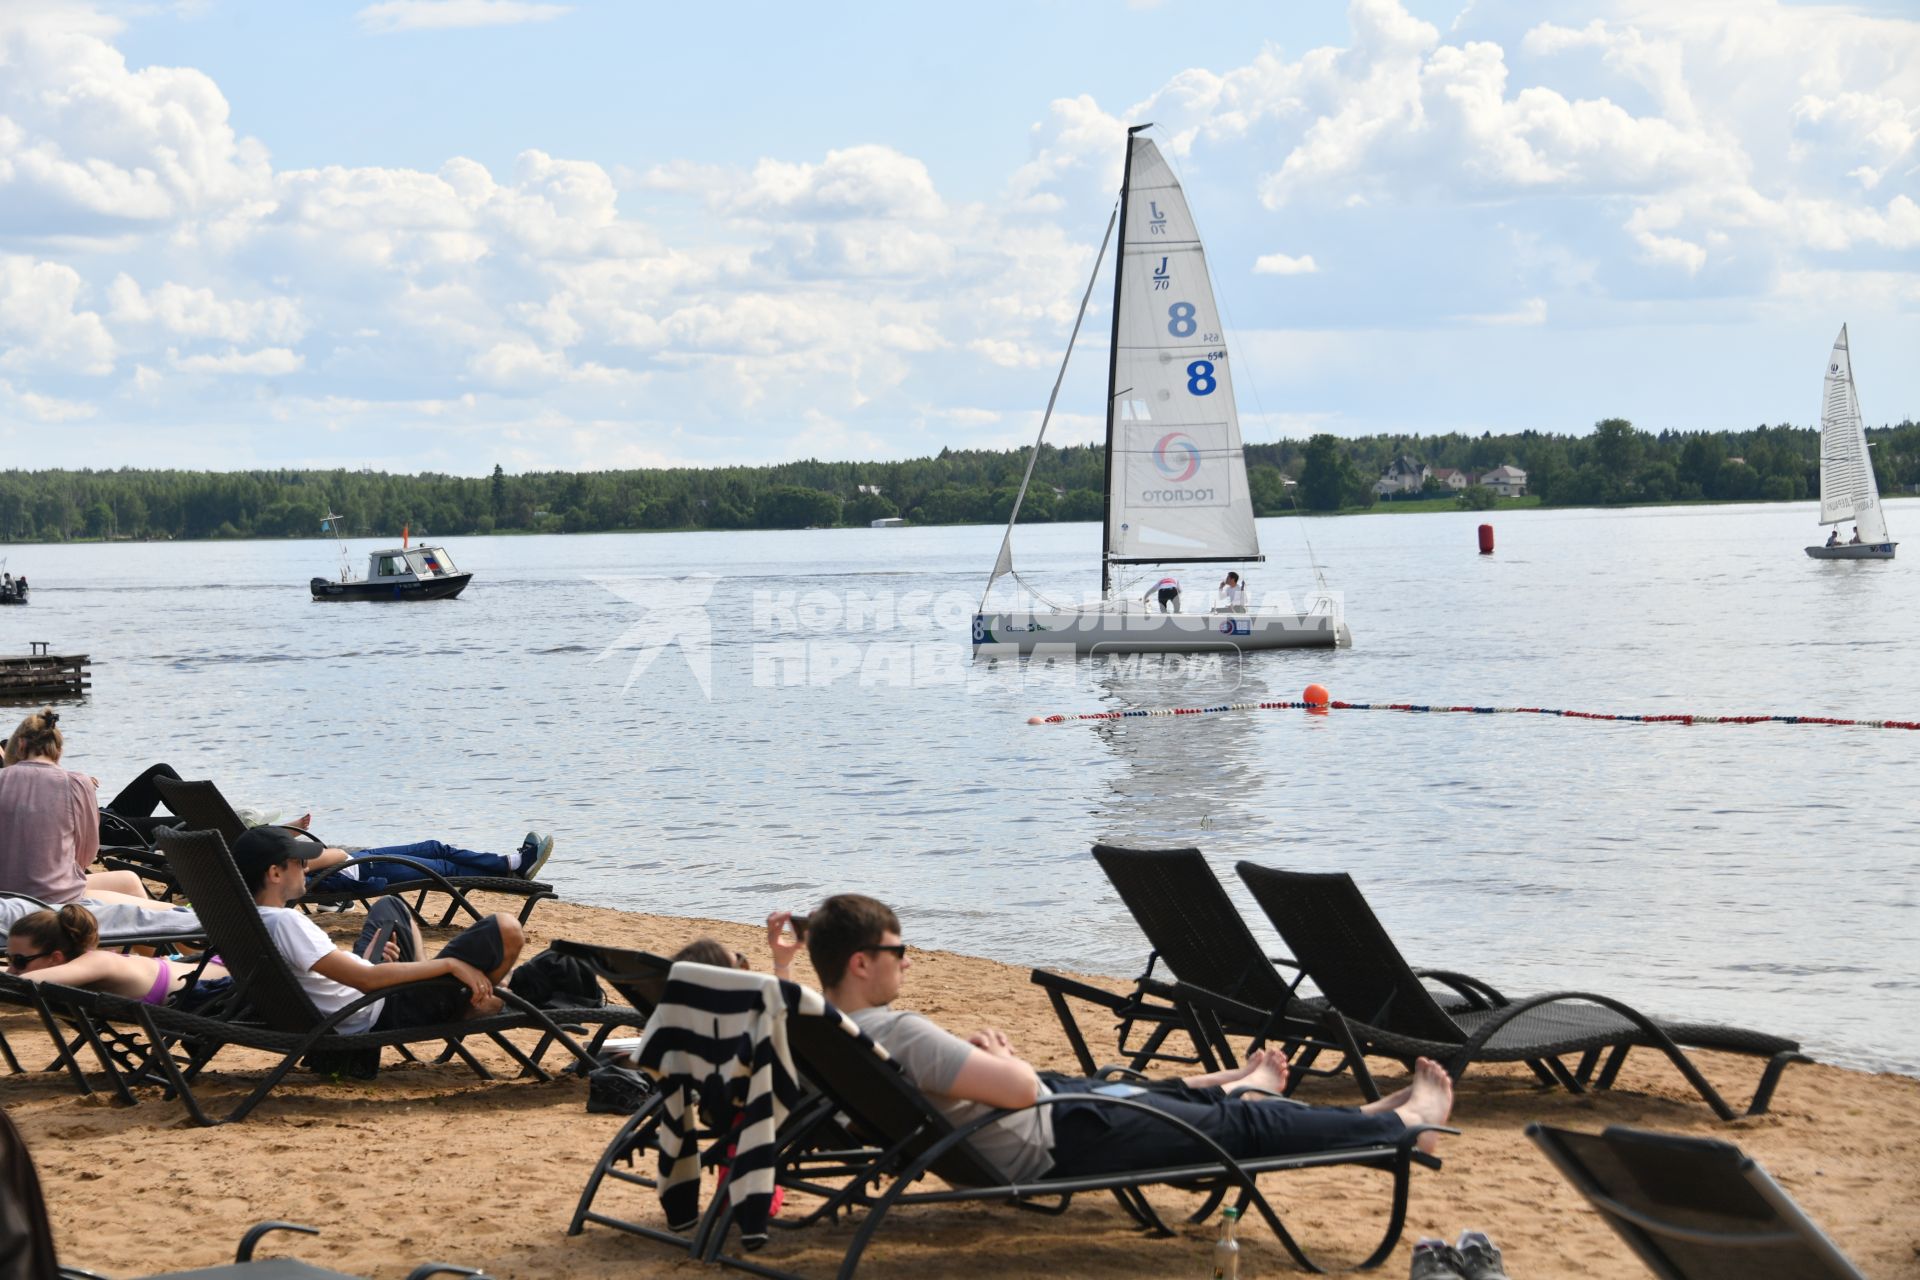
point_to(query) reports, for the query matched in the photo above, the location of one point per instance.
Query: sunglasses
(899, 949)
(17, 961)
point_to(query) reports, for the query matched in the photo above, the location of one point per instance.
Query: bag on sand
(554, 981)
(615, 1090)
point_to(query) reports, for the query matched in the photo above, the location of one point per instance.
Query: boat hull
(1854, 551)
(443, 588)
(1094, 631)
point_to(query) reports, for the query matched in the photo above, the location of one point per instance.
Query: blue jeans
(443, 858)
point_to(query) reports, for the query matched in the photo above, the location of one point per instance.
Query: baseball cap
(264, 847)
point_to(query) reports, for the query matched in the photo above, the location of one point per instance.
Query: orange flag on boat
(403, 537)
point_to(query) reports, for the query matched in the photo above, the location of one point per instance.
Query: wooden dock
(44, 675)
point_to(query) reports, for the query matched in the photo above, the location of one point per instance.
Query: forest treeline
(1616, 463)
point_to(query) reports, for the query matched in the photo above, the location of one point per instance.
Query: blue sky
(440, 234)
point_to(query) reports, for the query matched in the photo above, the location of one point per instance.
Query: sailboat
(1176, 474)
(1848, 492)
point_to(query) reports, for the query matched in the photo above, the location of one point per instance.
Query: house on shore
(1507, 481)
(1451, 477)
(1404, 475)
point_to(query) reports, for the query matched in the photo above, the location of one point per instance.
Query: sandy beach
(427, 1163)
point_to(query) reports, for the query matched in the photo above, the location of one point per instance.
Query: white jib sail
(1847, 488)
(1179, 475)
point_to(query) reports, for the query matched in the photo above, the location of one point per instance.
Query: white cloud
(1531, 312)
(1279, 264)
(267, 362)
(43, 408)
(186, 312)
(42, 325)
(443, 15)
(856, 182)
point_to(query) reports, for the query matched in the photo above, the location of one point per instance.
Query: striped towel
(718, 1038)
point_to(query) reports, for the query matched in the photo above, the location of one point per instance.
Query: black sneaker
(1435, 1260)
(1479, 1257)
(534, 852)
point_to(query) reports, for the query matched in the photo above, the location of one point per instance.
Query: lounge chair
(1693, 1208)
(26, 1235)
(856, 1088)
(267, 1008)
(1380, 1006)
(202, 808)
(1194, 928)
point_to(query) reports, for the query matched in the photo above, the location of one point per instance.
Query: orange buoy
(1315, 696)
(1486, 539)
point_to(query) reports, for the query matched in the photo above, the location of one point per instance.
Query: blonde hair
(37, 735)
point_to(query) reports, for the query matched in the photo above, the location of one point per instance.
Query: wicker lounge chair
(856, 1088)
(1693, 1208)
(1194, 928)
(267, 1008)
(202, 808)
(26, 1235)
(1379, 1005)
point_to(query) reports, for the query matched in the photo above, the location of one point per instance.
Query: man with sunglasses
(856, 948)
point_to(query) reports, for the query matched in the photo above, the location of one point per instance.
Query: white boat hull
(1115, 630)
(1854, 551)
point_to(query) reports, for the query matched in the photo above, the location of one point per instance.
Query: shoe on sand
(534, 852)
(1479, 1257)
(1435, 1260)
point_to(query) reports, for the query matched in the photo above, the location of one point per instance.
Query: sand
(427, 1163)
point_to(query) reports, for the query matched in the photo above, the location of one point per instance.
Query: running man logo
(1176, 457)
(675, 613)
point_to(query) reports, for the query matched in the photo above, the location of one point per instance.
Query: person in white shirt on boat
(1233, 594)
(1833, 539)
(1168, 592)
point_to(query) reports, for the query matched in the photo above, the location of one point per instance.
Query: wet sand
(428, 1163)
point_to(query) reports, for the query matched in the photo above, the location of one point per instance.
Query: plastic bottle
(1226, 1250)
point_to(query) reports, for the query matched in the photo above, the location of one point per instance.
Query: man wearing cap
(273, 865)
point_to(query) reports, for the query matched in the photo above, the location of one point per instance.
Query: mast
(1113, 365)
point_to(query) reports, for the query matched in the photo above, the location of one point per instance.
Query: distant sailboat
(1848, 492)
(1176, 478)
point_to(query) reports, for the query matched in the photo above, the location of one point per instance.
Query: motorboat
(394, 573)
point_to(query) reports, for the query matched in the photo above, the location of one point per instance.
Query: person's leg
(490, 946)
(113, 886)
(442, 858)
(139, 798)
(391, 914)
(1091, 1137)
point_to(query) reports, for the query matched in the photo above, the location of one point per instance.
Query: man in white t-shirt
(854, 943)
(1233, 594)
(273, 864)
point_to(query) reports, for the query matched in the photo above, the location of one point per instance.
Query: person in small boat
(1856, 535)
(50, 823)
(1167, 591)
(1833, 539)
(64, 946)
(1233, 594)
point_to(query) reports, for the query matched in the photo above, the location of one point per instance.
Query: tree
(1476, 497)
(499, 493)
(1617, 447)
(788, 506)
(1328, 476)
(868, 507)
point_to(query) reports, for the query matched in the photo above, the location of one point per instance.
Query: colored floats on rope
(1315, 701)
(1486, 539)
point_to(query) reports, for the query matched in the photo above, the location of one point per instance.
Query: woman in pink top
(50, 823)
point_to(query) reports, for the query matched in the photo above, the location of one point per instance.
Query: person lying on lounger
(63, 946)
(855, 946)
(273, 864)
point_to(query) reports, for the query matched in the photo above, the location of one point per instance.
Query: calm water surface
(1764, 874)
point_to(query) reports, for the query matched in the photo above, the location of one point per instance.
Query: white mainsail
(1847, 488)
(1177, 475)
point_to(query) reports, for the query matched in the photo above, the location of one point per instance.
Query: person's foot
(302, 822)
(1392, 1102)
(1479, 1257)
(1429, 1101)
(1268, 1074)
(534, 852)
(1435, 1260)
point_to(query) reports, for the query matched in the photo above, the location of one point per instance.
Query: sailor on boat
(1833, 539)
(1167, 590)
(1233, 594)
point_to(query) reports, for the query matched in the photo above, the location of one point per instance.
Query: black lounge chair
(267, 1009)
(1379, 1005)
(26, 1235)
(1693, 1208)
(202, 808)
(857, 1089)
(1194, 928)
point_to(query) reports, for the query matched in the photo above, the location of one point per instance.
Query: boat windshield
(439, 562)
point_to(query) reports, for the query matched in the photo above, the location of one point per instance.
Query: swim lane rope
(1667, 718)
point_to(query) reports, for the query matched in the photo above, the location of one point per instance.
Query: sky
(437, 235)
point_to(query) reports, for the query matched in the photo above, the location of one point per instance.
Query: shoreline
(428, 1163)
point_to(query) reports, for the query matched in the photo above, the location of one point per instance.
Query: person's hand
(782, 942)
(992, 1040)
(95, 781)
(390, 953)
(472, 979)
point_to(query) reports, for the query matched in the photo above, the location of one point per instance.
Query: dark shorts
(1169, 595)
(445, 1000)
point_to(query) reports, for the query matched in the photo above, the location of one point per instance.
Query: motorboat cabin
(399, 573)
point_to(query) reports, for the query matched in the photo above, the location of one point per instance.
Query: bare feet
(1221, 1079)
(1429, 1101)
(304, 821)
(1392, 1102)
(1269, 1073)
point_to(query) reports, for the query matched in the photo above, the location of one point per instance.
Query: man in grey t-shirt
(855, 946)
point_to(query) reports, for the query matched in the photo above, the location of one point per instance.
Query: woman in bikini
(63, 946)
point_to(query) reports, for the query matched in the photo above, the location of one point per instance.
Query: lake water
(1765, 875)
